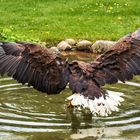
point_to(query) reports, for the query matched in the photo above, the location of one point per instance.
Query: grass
(55, 20)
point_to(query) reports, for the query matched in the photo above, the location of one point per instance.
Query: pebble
(64, 46)
(71, 41)
(102, 46)
(55, 50)
(84, 45)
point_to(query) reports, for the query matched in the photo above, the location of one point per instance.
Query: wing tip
(136, 34)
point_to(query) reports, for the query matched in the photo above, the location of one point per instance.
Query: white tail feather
(101, 106)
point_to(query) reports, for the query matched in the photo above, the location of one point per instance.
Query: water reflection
(26, 114)
(97, 133)
(89, 127)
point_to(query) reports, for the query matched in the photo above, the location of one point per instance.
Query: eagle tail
(99, 106)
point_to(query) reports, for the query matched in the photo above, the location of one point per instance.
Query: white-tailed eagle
(47, 72)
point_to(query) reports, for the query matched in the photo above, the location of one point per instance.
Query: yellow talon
(69, 104)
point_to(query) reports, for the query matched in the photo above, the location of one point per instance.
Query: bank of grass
(54, 20)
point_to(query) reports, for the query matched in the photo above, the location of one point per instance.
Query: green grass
(54, 20)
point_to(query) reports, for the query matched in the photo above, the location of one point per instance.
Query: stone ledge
(100, 46)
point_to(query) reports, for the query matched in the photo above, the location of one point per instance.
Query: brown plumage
(47, 72)
(29, 63)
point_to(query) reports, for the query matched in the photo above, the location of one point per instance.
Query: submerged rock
(101, 46)
(84, 45)
(64, 46)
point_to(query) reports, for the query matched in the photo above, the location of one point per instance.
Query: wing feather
(29, 63)
(12, 48)
(122, 62)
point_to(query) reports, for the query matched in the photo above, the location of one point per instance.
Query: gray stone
(43, 44)
(84, 45)
(64, 46)
(70, 41)
(101, 46)
(55, 50)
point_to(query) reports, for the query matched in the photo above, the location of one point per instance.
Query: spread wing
(12, 48)
(122, 62)
(29, 63)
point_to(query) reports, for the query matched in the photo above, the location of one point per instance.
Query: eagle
(48, 72)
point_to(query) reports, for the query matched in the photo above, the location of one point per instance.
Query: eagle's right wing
(12, 48)
(39, 67)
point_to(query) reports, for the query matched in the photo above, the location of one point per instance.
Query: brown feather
(33, 63)
(119, 63)
(49, 73)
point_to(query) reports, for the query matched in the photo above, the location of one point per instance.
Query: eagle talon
(69, 104)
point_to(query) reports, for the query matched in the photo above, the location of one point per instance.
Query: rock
(64, 46)
(43, 44)
(101, 46)
(70, 41)
(84, 45)
(55, 50)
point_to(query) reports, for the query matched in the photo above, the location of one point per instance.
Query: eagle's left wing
(120, 63)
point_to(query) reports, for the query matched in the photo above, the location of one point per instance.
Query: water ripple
(9, 85)
(131, 120)
(22, 111)
(28, 130)
(31, 123)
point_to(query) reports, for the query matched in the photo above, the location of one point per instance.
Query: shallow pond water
(26, 114)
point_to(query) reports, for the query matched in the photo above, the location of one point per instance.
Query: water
(26, 114)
